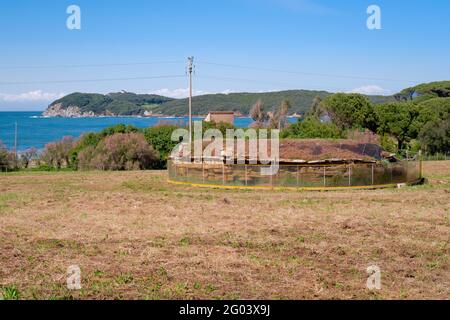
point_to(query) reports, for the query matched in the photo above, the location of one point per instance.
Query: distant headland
(132, 104)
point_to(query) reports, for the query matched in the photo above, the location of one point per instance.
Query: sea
(34, 130)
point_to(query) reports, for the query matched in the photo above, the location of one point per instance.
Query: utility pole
(15, 143)
(190, 67)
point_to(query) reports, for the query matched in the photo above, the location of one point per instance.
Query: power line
(304, 73)
(89, 80)
(277, 83)
(90, 65)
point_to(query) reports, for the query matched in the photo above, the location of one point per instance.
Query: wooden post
(223, 173)
(373, 178)
(324, 176)
(203, 172)
(349, 175)
(420, 164)
(246, 178)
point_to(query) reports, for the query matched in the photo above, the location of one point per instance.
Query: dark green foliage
(94, 102)
(425, 91)
(242, 102)
(126, 103)
(122, 103)
(399, 120)
(221, 126)
(160, 137)
(139, 99)
(434, 109)
(435, 137)
(350, 111)
(119, 128)
(310, 129)
(388, 143)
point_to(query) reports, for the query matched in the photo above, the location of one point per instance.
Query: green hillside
(126, 103)
(425, 91)
(120, 103)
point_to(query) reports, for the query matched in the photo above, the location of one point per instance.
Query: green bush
(160, 138)
(7, 161)
(120, 151)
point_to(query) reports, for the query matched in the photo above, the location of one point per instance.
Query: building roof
(310, 151)
(220, 116)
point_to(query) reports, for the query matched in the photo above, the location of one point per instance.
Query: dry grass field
(135, 236)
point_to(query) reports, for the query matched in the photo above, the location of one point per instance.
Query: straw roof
(303, 151)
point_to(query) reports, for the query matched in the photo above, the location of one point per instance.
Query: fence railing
(296, 176)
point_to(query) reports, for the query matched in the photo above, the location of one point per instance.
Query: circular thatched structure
(301, 164)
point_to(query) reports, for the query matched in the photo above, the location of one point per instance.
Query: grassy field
(135, 236)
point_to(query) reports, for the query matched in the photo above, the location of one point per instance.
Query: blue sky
(324, 44)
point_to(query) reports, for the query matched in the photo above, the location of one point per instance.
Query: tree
(27, 156)
(434, 109)
(312, 129)
(435, 136)
(350, 110)
(6, 158)
(398, 119)
(425, 91)
(317, 109)
(57, 154)
(279, 118)
(258, 115)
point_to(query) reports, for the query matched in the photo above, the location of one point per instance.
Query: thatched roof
(310, 150)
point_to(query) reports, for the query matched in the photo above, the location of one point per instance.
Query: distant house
(220, 116)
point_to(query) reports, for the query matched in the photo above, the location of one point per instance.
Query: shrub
(6, 159)
(93, 139)
(160, 138)
(388, 143)
(57, 154)
(121, 151)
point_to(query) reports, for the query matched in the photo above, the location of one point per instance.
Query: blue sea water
(36, 131)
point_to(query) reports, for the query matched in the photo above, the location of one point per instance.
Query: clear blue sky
(311, 37)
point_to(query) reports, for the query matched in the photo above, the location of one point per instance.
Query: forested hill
(126, 103)
(301, 101)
